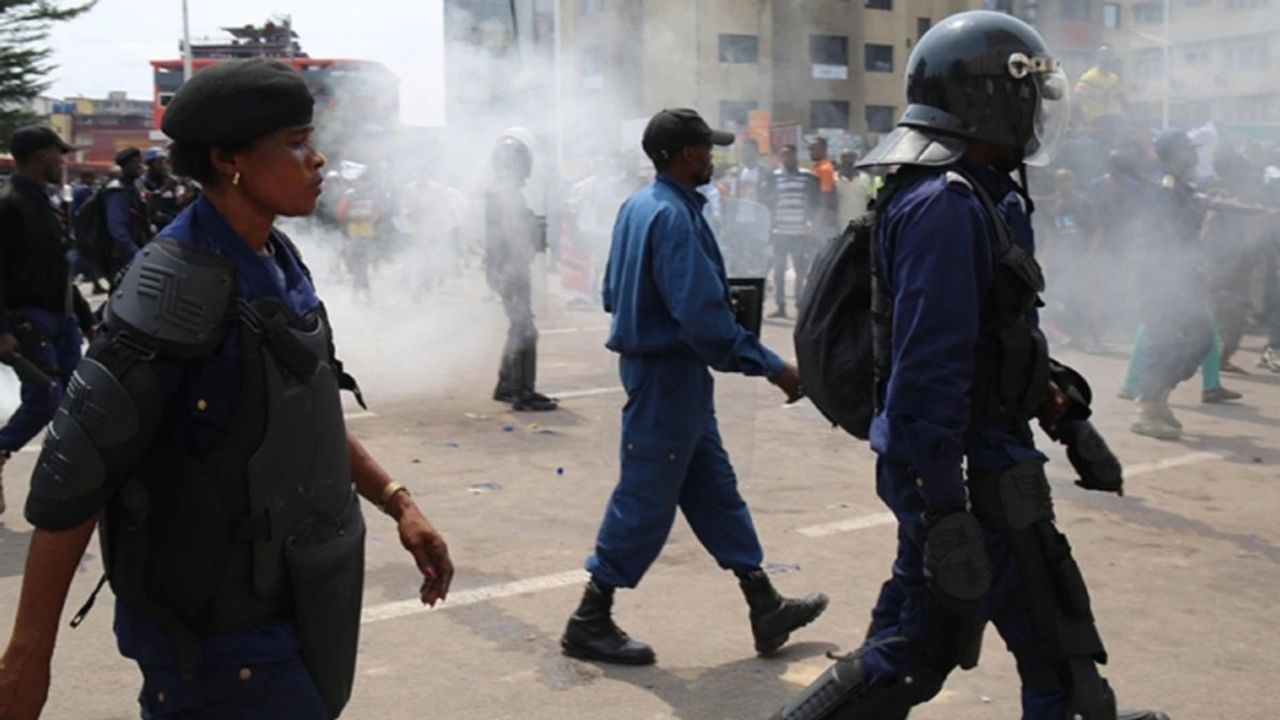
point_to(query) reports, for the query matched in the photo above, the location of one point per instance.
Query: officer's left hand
(429, 551)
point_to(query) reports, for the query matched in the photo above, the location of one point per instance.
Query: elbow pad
(101, 419)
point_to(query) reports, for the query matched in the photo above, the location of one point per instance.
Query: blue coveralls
(934, 246)
(278, 686)
(666, 288)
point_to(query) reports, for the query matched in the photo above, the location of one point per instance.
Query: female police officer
(205, 433)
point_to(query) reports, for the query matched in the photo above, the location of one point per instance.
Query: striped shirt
(795, 198)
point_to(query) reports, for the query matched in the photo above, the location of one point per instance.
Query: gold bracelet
(389, 492)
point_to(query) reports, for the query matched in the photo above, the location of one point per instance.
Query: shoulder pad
(174, 298)
(910, 146)
(955, 178)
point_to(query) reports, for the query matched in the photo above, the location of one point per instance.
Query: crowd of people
(1183, 224)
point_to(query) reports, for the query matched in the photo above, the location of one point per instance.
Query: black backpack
(92, 239)
(835, 333)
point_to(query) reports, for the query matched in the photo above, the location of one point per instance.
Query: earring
(236, 180)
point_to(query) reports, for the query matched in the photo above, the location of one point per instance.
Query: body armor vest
(1011, 379)
(262, 526)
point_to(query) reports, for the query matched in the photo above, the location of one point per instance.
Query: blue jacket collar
(690, 194)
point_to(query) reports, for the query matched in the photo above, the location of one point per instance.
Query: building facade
(829, 65)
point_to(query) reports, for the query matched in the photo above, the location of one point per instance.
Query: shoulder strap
(958, 176)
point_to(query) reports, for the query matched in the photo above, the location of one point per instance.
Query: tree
(24, 55)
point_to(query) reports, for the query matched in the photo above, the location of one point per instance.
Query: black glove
(1098, 467)
(956, 563)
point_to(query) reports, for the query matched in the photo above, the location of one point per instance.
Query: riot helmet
(512, 159)
(988, 76)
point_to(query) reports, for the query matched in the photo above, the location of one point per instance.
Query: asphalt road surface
(1184, 570)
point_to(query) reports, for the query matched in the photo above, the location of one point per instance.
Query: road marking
(887, 518)
(462, 598)
(570, 331)
(843, 526)
(1140, 469)
(587, 393)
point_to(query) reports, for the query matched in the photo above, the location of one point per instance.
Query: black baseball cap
(29, 140)
(671, 131)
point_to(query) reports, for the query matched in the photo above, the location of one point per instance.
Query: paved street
(1184, 570)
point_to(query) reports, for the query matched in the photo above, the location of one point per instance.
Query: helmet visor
(1052, 115)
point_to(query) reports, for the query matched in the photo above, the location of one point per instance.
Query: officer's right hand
(24, 684)
(789, 382)
(8, 346)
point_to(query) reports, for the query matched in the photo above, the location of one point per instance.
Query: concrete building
(834, 65)
(1221, 55)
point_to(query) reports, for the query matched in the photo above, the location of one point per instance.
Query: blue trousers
(672, 457)
(51, 341)
(254, 691)
(255, 674)
(906, 607)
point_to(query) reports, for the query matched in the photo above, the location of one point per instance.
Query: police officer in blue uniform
(203, 434)
(962, 369)
(672, 323)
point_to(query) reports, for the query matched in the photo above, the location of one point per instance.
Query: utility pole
(186, 43)
(1168, 71)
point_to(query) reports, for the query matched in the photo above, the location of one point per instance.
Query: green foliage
(24, 54)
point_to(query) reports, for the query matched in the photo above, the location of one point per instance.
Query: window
(829, 114)
(879, 4)
(1245, 54)
(590, 7)
(880, 118)
(592, 68)
(922, 26)
(1076, 9)
(879, 58)
(739, 48)
(830, 57)
(1111, 15)
(1197, 53)
(735, 113)
(1147, 13)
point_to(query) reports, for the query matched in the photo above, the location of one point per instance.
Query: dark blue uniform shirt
(934, 247)
(666, 285)
(217, 380)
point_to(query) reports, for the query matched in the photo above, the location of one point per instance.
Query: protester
(795, 200)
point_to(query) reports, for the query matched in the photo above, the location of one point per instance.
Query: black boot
(592, 634)
(773, 617)
(533, 401)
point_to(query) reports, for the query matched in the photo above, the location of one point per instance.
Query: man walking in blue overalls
(672, 321)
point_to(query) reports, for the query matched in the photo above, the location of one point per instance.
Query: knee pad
(1015, 499)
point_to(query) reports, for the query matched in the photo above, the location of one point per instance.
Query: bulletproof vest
(1011, 377)
(208, 540)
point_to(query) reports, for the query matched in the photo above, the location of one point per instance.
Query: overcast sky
(110, 47)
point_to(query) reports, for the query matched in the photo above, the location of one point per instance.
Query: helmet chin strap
(1024, 189)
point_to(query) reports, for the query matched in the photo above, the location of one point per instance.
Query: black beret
(233, 103)
(127, 154)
